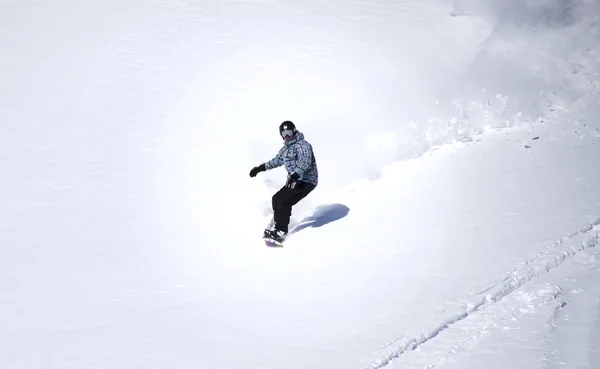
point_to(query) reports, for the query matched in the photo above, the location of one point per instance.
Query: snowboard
(272, 243)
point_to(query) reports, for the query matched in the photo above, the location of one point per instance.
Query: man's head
(287, 130)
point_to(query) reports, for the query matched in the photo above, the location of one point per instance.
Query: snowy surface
(456, 224)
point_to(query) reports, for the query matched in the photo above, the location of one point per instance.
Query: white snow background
(462, 138)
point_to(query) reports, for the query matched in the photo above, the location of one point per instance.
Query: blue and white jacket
(298, 157)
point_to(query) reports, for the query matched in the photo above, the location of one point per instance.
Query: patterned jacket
(298, 157)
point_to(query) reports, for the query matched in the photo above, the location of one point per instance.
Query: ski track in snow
(480, 308)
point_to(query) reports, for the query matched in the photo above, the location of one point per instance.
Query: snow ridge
(548, 259)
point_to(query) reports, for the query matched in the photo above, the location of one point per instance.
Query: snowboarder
(298, 158)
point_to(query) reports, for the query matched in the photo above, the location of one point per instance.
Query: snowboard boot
(268, 233)
(278, 235)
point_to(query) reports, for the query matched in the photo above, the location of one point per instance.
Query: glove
(291, 182)
(256, 170)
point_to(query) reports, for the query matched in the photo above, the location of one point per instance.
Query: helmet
(287, 130)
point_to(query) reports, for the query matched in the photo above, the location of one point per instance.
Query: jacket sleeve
(304, 159)
(277, 161)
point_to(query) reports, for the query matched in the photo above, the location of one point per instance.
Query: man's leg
(283, 201)
(302, 190)
(281, 215)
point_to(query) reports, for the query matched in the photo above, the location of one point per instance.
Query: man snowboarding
(299, 161)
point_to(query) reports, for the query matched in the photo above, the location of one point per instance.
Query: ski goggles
(287, 132)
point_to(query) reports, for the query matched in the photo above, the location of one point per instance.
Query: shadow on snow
(322, 215)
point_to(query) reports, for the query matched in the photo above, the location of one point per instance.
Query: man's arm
(277, 161)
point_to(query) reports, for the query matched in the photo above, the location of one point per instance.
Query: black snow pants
(283, 201)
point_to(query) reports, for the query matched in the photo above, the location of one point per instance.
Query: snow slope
(457, 216)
